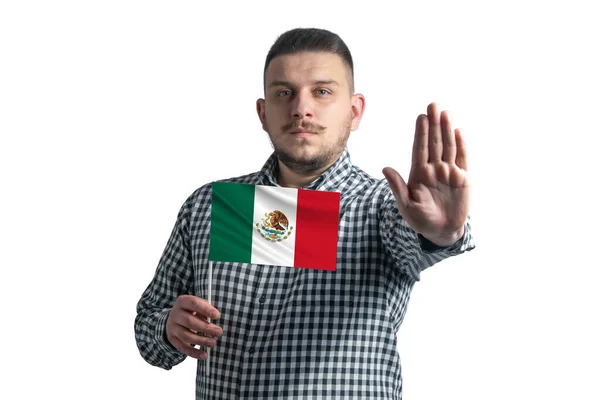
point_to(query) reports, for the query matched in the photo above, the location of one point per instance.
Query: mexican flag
(274, 225)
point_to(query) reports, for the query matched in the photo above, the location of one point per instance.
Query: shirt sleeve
(173, 277)
(410, 251)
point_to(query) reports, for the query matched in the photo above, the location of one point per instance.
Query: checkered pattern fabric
(293, 333)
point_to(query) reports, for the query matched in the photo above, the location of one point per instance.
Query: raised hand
(435, 202)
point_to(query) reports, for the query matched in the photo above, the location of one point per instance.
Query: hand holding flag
(187, 320)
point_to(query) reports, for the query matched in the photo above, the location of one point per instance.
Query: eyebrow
(317, 82)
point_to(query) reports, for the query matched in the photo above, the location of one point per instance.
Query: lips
(302, 133)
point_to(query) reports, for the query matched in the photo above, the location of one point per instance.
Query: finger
(420, 146)
(398, 187)
(449, 143)
(436, 146)
(461, 150)
(189, 350)
(191, 338)
(200, 306)
(198, 324)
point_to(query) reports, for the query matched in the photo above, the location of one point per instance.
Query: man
(303, 333)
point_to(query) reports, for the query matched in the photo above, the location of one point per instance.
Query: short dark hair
(307, 40)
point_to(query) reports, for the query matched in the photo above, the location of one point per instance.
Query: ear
(260, 110)
(358, 108)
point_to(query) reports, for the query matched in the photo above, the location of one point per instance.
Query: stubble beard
(317, 162)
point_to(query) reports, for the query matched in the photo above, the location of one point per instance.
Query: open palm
(435, 202)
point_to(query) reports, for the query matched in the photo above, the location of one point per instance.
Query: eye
(282, 93)
(322, 92)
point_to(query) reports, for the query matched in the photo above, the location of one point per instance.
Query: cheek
(338, 110)
(273, 120)
(273, 113)
(335, 116)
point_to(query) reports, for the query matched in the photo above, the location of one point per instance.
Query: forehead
(306, 67)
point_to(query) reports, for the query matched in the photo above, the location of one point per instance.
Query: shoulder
(201, 197)
(363, 185)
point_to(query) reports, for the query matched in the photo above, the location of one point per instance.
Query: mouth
(302, 133)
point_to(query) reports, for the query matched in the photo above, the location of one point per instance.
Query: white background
(113, 112)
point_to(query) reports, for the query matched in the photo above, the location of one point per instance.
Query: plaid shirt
(298, 333)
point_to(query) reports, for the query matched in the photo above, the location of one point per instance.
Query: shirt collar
(327, 181)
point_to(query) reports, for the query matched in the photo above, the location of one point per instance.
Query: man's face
(309, 110)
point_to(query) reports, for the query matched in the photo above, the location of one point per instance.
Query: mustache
(309, 126)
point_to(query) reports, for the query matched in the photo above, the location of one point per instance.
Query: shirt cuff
(427, 246)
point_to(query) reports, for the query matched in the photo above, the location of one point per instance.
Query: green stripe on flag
(231, 222)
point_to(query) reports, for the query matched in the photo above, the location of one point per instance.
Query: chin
(303, 161)
(302, 154)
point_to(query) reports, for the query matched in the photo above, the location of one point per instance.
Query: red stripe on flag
(317, 221)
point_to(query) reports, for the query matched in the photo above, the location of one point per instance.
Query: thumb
(398, 187)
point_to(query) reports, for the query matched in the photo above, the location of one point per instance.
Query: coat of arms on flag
(274, 225)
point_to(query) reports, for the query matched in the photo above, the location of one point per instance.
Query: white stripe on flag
(266, 200)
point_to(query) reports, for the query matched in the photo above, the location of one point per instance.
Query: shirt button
(262, 299)
(251, 350)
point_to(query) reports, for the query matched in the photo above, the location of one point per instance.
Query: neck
(289, 178)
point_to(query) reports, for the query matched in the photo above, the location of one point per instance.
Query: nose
(302, 106)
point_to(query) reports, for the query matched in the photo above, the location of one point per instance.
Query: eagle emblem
(274, 227)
